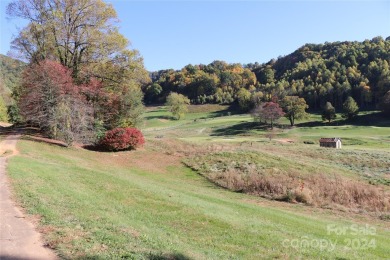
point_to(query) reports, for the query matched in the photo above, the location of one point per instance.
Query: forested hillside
(317, 72)
(10, 74)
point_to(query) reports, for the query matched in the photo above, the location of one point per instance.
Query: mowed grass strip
(94, 206)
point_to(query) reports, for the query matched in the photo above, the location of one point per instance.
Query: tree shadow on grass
(220, 113)
(373, 119)
(239, 129)
(171, 256)
(159, 117)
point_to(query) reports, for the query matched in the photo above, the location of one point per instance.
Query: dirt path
(18, 238)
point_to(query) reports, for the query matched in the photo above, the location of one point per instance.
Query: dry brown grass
(316, 190)
(242, 172)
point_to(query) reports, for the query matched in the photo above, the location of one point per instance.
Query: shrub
(119, 139)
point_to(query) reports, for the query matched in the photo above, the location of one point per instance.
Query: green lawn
(106, 206)
(146, 204)
(367, 131)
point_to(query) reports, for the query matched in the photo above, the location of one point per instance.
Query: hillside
(10, 72)
(333, 71)
(147, 204)
(317, 72)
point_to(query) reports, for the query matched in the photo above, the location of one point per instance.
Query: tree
(13, 114)
(329, 112)
(350, 108)
(244, 99)
(74, 33)
(83, 36)
(152, 92)
(177, 104)
(294, 108)
(3, 111)
(131, 108)
(50, 100)
(269, 112)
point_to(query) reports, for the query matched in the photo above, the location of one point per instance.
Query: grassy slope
(145, 204)
(92, 206)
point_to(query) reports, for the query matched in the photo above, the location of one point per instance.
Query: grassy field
(146, 204)
(370, 130)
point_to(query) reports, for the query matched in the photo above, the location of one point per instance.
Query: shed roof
(329, 140)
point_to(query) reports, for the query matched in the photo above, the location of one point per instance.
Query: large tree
(268, 112)
(294, 108)
(82, 35)
(50, 99)
(74, 32)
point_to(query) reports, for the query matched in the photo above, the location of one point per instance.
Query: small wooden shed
(331, 142)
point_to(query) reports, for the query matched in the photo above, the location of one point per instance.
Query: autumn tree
(268, 112)
(83, 36)
(50, 100)
(329, 112)
(178, 105)
(350, 108)
(294, 108)
(75, 33)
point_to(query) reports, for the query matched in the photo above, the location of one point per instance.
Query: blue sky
(172, 34)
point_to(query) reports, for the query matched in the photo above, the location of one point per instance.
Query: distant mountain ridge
(320, 73)
(334, 71)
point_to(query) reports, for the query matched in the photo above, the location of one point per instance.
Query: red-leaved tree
(50, 100)
(119, 139)
(268, 112)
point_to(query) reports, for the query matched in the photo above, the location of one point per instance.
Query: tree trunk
(291, 121)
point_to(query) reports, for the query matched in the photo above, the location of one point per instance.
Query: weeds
(245, 172)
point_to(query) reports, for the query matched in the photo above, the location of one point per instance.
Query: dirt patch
(285, 141)
(146, 159)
